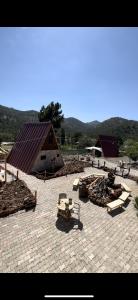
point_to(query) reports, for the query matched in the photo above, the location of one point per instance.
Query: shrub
(132, 151)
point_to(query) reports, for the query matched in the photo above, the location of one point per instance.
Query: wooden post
(104, 163)
(17, 175)
(115, 170)
(6, 169)
(35, 200)
(35, 195)
(45, 176)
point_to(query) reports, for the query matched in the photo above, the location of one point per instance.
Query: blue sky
(92, 72)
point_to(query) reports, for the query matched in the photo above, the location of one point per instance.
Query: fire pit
(99, 190)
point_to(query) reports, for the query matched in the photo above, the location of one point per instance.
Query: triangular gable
(50, 142)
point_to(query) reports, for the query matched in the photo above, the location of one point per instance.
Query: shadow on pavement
(127, 202)
(116, 212)
(66, 226)
(84, 199)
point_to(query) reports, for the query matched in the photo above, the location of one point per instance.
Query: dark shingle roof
(28, 144)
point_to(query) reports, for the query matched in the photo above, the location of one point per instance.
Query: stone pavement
(38, 242)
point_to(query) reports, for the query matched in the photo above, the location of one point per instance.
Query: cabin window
(43, 157)
(57, 155)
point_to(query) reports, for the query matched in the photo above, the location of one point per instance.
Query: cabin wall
(47, 164)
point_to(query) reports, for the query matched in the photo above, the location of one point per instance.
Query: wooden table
(63, 210)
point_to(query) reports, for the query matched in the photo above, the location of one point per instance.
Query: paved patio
(37, 242)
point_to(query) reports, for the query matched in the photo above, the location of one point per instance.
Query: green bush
(132, 151)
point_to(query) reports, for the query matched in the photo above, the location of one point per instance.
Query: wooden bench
(114, 204)
(126, 188)
(75, 184)
(99, 175)
(124, 196)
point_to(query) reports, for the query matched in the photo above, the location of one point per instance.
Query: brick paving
(38, 242)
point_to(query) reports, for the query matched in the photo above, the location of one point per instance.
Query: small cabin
(109, 146)
(36, 149)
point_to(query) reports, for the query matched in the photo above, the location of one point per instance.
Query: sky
(92, 72)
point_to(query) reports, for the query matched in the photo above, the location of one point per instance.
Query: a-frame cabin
(36, 149)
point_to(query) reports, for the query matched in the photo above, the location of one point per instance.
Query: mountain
(11, 121)
(93, 123)
(72, 125)
(118, 127)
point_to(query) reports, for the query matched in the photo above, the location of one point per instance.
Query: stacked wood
(68, 168)
(115, 194)
(74, 167)
(100, 190)
(15, 196)
(87, 184)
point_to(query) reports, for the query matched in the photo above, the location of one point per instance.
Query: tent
(94, 148)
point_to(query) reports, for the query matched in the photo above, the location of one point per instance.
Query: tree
(52, 113)
(119, 141)
(132, 151)
(77, 136)
(62, 136)
(85, 141)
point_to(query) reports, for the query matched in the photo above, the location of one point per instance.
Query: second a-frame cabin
(108, 145)
(36, 149)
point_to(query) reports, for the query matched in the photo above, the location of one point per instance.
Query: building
(36, 149)
(109, 146)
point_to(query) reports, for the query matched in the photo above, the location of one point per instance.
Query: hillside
(72, 125)
(119, 127)
(93, 123)
(11, 120)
